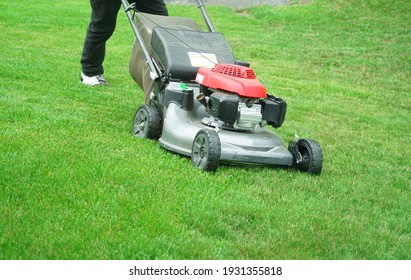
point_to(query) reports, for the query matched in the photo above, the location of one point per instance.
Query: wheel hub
(202, 152)
(305, 161)
(142, 124)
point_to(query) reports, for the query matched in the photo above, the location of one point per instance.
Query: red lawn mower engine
(235, 99)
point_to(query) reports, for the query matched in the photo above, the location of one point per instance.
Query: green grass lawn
(76, 185)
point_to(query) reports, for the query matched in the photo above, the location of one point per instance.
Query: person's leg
(156, 7)
(101, 27)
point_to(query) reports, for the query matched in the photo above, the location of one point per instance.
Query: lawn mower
(203, 103)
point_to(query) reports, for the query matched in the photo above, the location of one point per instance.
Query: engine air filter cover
(234, 70)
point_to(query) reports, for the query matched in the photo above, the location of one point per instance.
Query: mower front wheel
(206, 150)
(310, 158)
(147, 122)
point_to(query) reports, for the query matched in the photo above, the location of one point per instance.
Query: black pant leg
(101, 27)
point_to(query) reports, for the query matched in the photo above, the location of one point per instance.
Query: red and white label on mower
(207, 60)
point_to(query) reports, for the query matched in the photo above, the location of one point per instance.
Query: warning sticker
(207, 60)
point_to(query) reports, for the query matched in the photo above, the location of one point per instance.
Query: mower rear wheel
(146, 122)
(206, 150)
(311, 156)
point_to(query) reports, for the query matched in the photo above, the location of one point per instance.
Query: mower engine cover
(238, 99)
(232, 78)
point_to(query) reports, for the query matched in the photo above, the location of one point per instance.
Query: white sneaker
(94, 80)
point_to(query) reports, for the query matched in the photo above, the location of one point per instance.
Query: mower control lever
(130, 7)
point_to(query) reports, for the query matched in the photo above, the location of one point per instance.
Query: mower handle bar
(201, 6)
(154, 72)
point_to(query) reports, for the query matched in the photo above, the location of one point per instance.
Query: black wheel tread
(153, 121)
(214, 151)
(315, 161)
